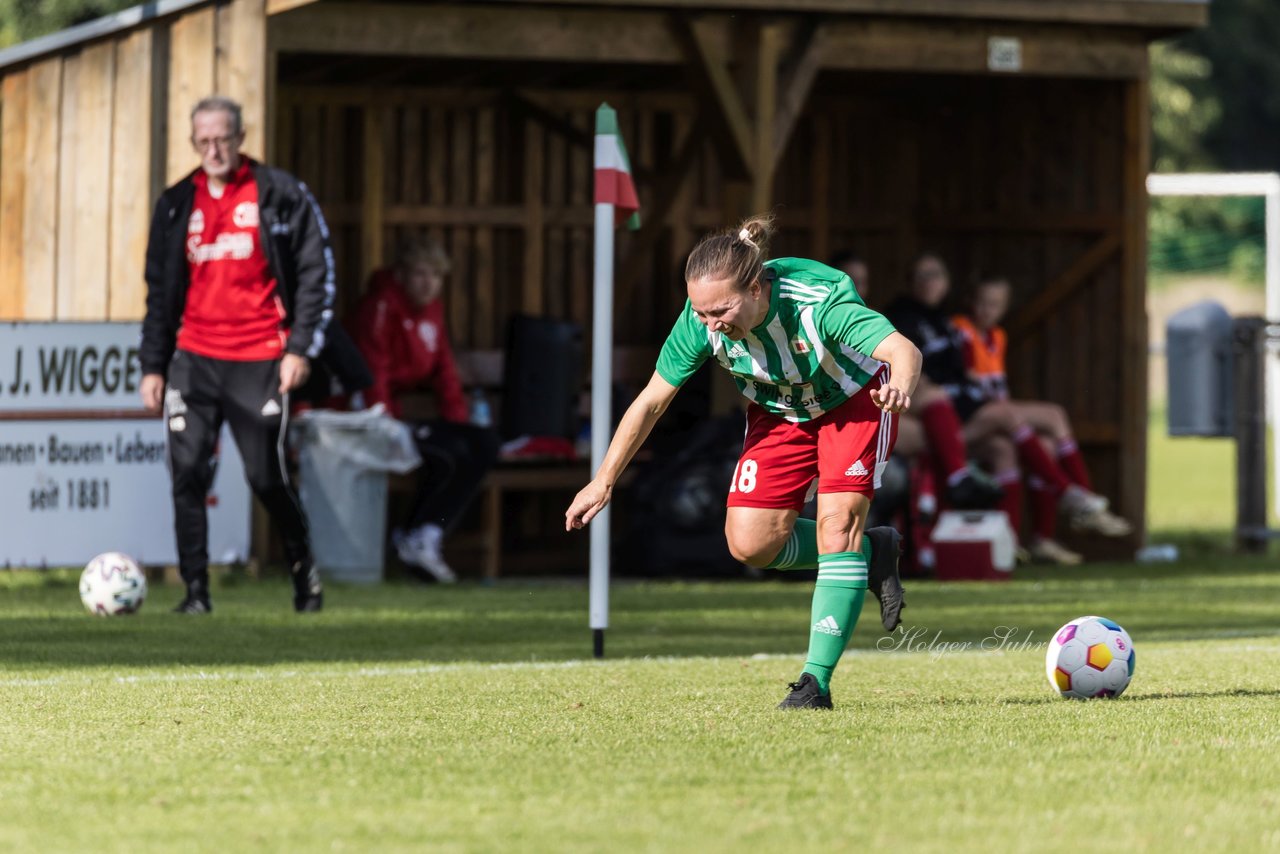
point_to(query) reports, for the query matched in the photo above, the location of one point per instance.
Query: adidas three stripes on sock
(837, 604)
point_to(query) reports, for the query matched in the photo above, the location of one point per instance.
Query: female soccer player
(826, 377)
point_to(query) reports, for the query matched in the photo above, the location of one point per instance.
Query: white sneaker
(1087, 512)
(1052, 551)
(1103, 522)
(421, 548)
(1078, 501)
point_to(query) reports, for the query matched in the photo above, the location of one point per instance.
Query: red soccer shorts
(846, 449)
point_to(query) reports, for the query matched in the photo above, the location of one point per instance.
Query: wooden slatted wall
(89, 139)
(505, 187)
(1018, 175)
(1011, 175)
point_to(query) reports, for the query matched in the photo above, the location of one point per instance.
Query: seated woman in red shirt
(399, 326)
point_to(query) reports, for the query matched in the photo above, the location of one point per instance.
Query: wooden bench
(632, 367)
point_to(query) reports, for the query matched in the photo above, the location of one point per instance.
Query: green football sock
(837, 604)
(800, 551)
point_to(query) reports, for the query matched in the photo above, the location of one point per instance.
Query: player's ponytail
(736, 253)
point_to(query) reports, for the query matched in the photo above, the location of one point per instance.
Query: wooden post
(192, 51)
(730, 126)
(484, 299)
(1250, 338)
(371, 225)
(13, 192)
(1132, 358)
(767, 50)
(132, 161)
(534, 231)
(820, 190)
(270, 99)
(42, 169)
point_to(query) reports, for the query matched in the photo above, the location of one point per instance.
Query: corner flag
(614, 185)
(615, 203)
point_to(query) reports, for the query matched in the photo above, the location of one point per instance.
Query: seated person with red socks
(935, 434)
(919, 316)
(985, 349)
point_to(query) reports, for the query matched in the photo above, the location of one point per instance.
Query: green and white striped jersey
(811, 353)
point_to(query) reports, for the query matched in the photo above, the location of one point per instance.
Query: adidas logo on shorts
(827, 626)
(856, 470)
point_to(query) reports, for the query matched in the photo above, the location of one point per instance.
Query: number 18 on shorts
(846, 450)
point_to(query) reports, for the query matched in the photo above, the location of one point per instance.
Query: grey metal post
(1250, 336)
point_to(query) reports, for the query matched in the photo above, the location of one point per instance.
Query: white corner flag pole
(601, 415)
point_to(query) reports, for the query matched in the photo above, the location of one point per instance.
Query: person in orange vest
(932, 432)
(985, 353)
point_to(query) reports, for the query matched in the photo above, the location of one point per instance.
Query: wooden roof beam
(708, 64)
(765, 55)
(799, 69)
(962, 47)
(573, 134)
(665, 193)
(275, 7)
(755, 80)
(478, 31)
(1159, 16)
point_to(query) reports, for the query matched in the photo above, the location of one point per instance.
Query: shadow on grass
(1204, 695)
(1129, 697)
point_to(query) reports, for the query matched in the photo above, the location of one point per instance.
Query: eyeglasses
(219, 142)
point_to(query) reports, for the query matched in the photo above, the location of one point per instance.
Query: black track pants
(200, 395)
(455, 459)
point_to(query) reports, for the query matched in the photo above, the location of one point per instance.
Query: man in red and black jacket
(240, 293)
(399, 327)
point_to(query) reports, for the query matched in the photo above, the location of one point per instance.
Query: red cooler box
(974, 546)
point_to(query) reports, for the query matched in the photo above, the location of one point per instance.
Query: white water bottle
(481, 414)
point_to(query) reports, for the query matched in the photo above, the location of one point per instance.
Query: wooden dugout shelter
(1005, 134)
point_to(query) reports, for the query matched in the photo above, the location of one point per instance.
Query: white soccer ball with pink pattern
(112, 583)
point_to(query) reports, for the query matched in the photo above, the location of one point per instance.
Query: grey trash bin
(1198, 347)
(344, 458)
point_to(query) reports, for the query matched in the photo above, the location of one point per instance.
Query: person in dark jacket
(399, 327)
(932, 429)
(240, 293)
(919, 316)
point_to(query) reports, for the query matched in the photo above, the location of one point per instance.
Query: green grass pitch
(417, 718)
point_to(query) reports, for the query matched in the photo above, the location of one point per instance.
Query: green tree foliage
(1184, 110)
(26, 19)
(1215, 98)
(1240, 45)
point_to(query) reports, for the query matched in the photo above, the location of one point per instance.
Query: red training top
(407, 348)
(232, 310)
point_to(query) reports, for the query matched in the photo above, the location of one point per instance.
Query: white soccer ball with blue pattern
(112, 583)
(1090, 657)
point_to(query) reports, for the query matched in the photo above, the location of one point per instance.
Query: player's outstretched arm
(904, 361)
(634, 428)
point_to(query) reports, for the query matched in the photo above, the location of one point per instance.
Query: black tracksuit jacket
(294, 238)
